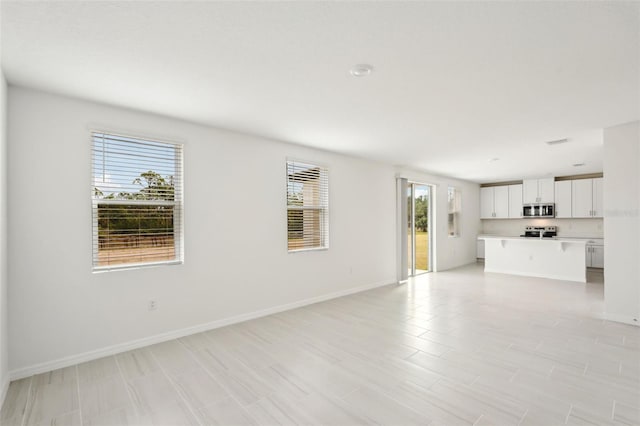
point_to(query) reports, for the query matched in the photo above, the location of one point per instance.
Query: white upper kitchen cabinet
(546, 190)
(538, 191)
(494, 202)
(515, 201)
(563, 198)
(486, 203)
(501, 202)
(587, 197)
(529, 191)
(598, 209)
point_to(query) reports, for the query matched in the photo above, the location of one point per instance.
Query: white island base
(553, 258)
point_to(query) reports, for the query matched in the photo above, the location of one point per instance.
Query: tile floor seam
(523, 416)
(79, 397)
(175, 388)
(613, 410)
(126, 386)
(566, 420)
(477, 420)
(218, 382)
(26, 405)
(513, 376)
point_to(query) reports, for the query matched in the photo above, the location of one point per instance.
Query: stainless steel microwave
(539, 210)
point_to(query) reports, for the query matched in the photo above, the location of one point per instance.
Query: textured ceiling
(454, 84)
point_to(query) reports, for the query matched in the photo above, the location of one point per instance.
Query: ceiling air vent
(557, 142)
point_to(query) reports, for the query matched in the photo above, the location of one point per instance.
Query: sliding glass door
(418, 228)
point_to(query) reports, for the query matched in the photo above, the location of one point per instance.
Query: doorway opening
(418, 228)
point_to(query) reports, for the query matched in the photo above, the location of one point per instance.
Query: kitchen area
(550, 227)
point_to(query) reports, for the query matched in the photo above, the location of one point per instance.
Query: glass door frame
(411, 213)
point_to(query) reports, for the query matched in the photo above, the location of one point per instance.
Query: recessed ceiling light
(557, 141)
(361, 70)
(578, 164)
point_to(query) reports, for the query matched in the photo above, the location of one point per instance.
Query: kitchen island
(557, 258)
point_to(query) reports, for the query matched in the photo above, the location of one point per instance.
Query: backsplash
(587, 228)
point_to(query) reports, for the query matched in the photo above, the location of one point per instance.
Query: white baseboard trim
(44, 367)
(4, 389)
(623, 319)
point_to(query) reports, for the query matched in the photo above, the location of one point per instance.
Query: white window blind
(307, 206)
(136, 201)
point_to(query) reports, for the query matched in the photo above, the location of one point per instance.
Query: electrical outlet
(153, 304)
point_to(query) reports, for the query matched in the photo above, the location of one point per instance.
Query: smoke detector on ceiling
(557, 141)
(361, 70)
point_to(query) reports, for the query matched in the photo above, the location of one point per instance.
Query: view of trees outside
(422, 228)
(139, 232)
(136, 199)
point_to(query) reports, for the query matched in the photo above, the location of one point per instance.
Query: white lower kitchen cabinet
(559, 259)
(595, 256)
(480, 249)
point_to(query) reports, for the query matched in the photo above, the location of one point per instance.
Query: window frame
(178, 204)
(325, 211)
(455, 213)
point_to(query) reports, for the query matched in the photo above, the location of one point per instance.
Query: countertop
(583, 240)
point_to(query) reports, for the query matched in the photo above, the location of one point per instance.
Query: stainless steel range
(540, 232)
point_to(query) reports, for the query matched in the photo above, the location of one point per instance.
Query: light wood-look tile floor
(451, 348)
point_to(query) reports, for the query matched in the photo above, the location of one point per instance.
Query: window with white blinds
(136, 194)
(307, 206)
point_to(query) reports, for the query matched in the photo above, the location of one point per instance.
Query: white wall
(622, 222)
(451, 252)
(4, 317)
(586, 228)
(236, 260)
